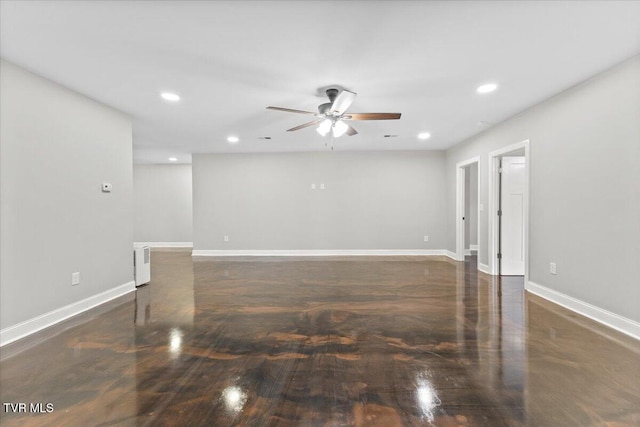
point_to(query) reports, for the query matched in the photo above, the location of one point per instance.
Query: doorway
(509, 210)
(511, 172)
(467, 207)
(471, 209)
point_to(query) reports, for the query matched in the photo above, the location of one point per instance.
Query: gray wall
(372, 200)
(162, 203)
(57, 147)
(584, 197)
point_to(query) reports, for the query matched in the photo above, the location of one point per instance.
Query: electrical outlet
(426, 238)
(75, 278)
(322, 186)
(313, 186)
(552, 268)
(226, 238)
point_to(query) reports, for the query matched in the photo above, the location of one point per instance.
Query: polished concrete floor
(324, 342)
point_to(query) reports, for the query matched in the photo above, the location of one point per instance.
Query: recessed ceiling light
(486, 88)
(424, 135)
(173, 159)
(233, 139)
(168, 96)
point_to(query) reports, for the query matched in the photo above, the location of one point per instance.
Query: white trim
(450, 254)
(467, 252)
(484, 268)
(35, 324)
(493, 205)
(612, 320)
(460, 184)
(460, 180)
(321, 252)
(473, 247)
(166, 244)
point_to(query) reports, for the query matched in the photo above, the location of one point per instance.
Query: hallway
(364, 341)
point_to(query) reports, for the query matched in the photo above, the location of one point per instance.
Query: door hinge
(499, 256)
(500, 169)
(500, 212)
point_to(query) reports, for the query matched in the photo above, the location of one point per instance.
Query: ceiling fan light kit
(331, 115)
(339, 128)
(324, 127)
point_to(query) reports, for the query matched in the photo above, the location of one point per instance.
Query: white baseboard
(451, 255)
(28, 327)
(484, 268)
(473, 247)
(612, 320)
(166, 244)
(321, 252)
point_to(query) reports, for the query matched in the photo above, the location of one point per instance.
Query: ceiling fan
(331, 116)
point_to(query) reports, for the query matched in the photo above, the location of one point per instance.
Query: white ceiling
(229, 60)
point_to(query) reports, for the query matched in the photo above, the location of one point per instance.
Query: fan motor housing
(332, 93)
(325, 108)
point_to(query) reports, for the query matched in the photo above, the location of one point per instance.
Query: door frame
(494, 161)
(460, 184)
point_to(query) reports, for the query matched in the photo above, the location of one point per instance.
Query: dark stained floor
(408, 341)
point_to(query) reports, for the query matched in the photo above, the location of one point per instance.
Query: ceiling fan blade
(342, 102)
(306, 125)
(290, 110)
(351, 131)
(371, 116)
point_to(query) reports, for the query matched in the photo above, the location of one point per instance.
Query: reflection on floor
(324, 342)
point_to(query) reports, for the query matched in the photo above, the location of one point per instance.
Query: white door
(512, 221)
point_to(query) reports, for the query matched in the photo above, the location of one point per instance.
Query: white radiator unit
(141, 264)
